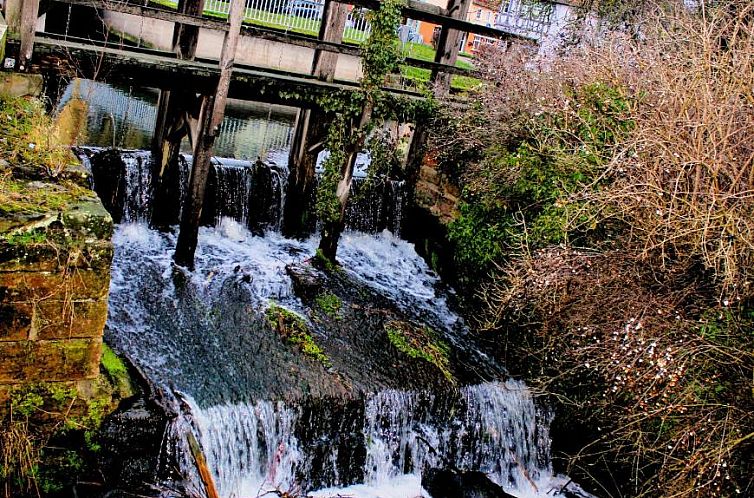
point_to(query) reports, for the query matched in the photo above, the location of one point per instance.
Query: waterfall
(493, 427)
(267, 417)
(138, 186)
(251, 193)
(232, 192)
(376, 204)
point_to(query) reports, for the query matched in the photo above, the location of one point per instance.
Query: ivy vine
(380, 57)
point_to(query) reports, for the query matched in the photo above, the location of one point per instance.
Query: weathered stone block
(37, 286)
(96, 255)
(21, 85)
(63, 360)
(70, 319)
(90, 219)
(15, 321)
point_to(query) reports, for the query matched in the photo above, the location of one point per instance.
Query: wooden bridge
(194, 90)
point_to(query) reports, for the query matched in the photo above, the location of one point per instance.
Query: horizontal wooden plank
(152, 12)
(414, 10)
(431, 13)
(249, 30)
(162, 70)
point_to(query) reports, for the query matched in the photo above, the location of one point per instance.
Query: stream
(269, 419)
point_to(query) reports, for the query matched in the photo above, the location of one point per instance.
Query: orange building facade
(482, 12)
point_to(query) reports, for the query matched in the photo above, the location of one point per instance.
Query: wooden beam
(186, 36)
(447, 46)
(162, 69)
(414, 10)
(29, 18)
(332, 27)
(210, 126)
(437, 15)
(201, 466)
(152, 12)
(13, 16)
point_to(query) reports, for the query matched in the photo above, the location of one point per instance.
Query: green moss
(49, 434)
(24, 238)
(293, 329)
(330, 304)
(321, 260)
(117, 372)
(420, 343)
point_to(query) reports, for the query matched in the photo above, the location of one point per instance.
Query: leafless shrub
(684, 182)
(670, 379)
(657, 323)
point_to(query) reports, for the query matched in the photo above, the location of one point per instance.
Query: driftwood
(201, 466)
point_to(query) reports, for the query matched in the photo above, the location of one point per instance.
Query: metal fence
(302, 16)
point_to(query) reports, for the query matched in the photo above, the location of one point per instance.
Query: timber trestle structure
(194, 90)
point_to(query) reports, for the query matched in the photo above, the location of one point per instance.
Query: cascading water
(492, 427)
(138, 172)
(271, 421)
(380, 447)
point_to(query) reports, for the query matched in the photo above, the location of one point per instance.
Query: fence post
(447, 46)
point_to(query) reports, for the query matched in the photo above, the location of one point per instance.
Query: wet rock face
(447, 483)
(131, 439)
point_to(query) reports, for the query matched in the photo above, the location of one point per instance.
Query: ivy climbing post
(310, 130)
(348, 133)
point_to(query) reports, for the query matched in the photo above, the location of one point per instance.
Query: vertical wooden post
(447, 46)
(29, 17)
(13, 16)
(211, 117)
(310, 130)
(298, 220)
(186, 37)
(173, 125)
(334, 17)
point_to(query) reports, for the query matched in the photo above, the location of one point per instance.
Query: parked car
(307, 9)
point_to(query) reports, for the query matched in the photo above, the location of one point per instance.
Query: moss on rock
(293, 329)
(420, 342)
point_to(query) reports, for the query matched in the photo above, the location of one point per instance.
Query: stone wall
(54, 282)
(436, 192)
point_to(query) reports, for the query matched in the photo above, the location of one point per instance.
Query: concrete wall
(251, 51)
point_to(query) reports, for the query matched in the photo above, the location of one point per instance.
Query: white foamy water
(384, 262)
(259, 447)
(496, 428)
